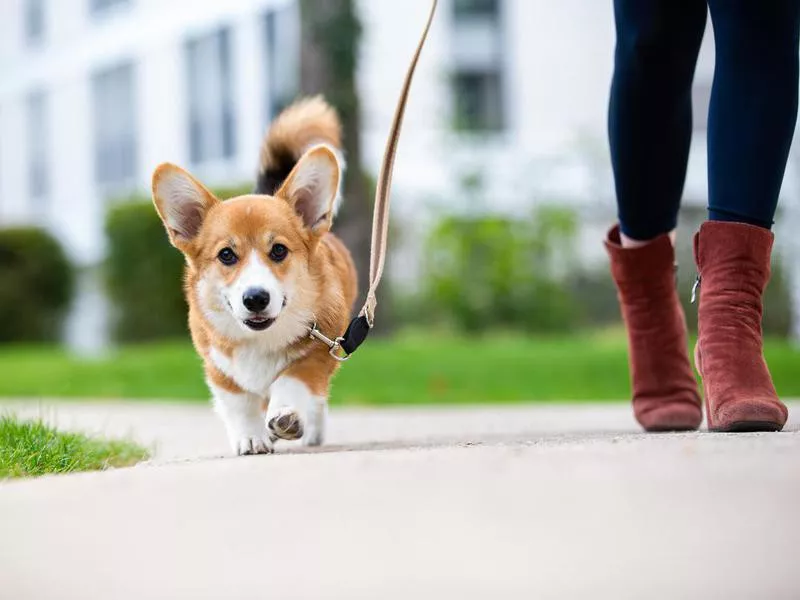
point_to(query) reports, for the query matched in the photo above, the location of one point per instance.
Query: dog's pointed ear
(312, 187)
(182, 203)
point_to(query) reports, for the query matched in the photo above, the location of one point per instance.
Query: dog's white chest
(251, 366)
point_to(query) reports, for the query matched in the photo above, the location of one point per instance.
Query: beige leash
(359, 329)
(380, 219)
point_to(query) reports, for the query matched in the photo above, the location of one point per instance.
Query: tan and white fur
(260, 270)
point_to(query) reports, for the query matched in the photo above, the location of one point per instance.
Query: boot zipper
(695, 289)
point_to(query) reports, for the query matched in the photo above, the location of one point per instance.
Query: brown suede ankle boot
(665, 396)
(733, 262)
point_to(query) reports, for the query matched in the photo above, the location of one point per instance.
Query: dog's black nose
(255, 299)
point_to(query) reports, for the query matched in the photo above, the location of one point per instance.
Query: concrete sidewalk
(522, 502)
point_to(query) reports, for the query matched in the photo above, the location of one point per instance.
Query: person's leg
(650, 110)
(650, 125)
(751, 124)
(753, 107)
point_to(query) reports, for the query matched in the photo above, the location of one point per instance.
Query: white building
(95, 93)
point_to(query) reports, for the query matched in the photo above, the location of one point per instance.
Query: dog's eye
(227, 257)
(278, 252)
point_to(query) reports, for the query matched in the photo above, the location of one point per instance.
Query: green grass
(410, 369)
(32, 448)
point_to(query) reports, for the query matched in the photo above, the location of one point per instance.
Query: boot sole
(748, 427)
(675, 429)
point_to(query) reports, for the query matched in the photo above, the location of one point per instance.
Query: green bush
(485, 272)
(36, 285)
(144, 273)
(596, 297)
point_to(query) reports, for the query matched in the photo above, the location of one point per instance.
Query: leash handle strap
(360, 326)
(380, 218)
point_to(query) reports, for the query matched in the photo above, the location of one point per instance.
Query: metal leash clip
(335, 346)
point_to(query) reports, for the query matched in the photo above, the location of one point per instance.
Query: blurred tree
(330, 34)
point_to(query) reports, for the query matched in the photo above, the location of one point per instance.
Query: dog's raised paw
(286, 425)
(250, 445)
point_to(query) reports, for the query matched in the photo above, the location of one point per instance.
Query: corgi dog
(261, 271)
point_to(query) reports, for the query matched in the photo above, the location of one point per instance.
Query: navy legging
(750, 123)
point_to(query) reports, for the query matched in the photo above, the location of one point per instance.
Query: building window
(38, 157)
(478, 58)
(486, 9)
(101, 7)
(211, 111)
(115, 144)
(34, 22)
(282, 58)
(478, 101)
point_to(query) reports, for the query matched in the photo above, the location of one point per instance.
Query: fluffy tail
(305, 124)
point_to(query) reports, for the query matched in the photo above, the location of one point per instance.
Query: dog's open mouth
(259, 323)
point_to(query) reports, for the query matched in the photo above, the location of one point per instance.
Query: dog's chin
(258, 323)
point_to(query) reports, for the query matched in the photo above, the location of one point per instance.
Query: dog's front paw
(286, 424)
(253, 444)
